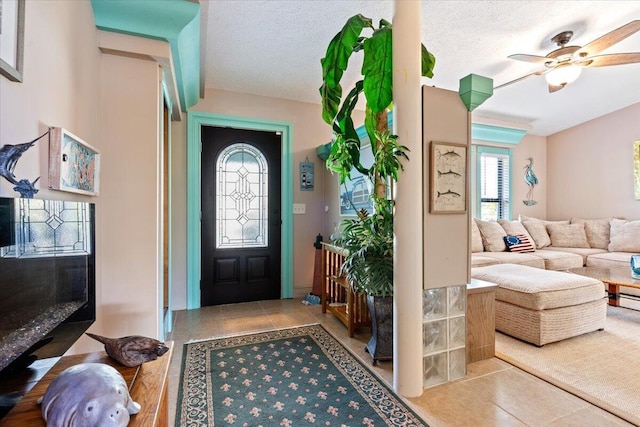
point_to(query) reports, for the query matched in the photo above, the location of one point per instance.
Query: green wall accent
(174, 21)
(195, 120)
(496, 133)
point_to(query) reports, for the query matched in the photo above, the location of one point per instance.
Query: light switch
(299, 209)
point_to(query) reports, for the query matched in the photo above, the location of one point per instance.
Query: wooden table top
(612, 275)
(146, 382)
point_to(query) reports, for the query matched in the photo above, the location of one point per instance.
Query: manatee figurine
(88, 395)
(133, 350)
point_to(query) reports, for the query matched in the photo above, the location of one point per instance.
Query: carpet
(601, 367)
(291, 377)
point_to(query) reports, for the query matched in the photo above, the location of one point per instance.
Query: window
(241, 198)
(493, 183)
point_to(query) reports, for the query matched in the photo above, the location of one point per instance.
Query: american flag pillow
(519, 243)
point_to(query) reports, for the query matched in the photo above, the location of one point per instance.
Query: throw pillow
(625, 236)
(514, 228)
(476, 237)
(519, 243)
(597, 230)
(538, 232)
(568, 235)
(492, 236)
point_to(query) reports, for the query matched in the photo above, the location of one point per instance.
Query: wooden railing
(337, 295)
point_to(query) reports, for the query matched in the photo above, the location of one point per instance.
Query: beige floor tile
(493, 393)
(589, 417)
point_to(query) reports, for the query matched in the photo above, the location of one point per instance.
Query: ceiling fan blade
(529, 58)
(537, 73)
(612, 59)
(608, 39)
(554, 88)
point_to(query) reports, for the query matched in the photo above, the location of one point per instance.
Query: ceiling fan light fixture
(563, 74)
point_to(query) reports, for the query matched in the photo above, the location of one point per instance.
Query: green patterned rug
(291, 377)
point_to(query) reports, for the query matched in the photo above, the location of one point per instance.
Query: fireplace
(47, 278)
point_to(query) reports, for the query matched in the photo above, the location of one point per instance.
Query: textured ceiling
(273, 48)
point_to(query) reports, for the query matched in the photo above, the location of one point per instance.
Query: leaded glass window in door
(241, 197)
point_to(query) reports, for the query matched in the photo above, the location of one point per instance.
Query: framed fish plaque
(448, 178)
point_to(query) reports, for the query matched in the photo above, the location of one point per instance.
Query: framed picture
(74, 165)
(448, 178)
(636, 169)
(355, 193)
(11, 38)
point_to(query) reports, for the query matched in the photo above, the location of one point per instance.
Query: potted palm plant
(368, 238)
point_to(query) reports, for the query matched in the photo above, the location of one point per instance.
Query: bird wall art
(532, 180)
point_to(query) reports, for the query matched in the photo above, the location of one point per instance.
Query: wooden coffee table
(613, 278)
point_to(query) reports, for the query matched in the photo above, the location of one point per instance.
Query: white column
(408, 228)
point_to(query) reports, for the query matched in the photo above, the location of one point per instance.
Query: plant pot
(380, 346)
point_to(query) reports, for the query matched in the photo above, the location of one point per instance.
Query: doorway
(241, 217)
(196, 120)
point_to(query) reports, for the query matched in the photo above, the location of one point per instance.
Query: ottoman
(543, 306)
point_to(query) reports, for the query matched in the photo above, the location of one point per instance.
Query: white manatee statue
(88, 395)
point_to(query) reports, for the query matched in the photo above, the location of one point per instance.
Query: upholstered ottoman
(543, 306)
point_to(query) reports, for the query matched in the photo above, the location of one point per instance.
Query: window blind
(494, 186)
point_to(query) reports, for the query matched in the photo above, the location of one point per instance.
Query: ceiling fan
(564, 65)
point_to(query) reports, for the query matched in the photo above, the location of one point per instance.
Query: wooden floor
(493, 393)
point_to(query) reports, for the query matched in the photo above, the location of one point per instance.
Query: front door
(241, 221)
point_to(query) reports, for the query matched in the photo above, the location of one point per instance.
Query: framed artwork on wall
(74, 165)
(448, 178)
(636, 169)
(11, 38)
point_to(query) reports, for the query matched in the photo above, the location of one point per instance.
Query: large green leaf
(378, 70)
(330, 96)
(335, 63)
(428, 62)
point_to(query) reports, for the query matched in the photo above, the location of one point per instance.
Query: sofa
(556, 245)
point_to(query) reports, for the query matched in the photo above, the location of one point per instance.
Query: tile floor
(493, 393)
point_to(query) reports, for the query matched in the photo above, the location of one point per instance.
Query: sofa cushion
(597, 231)
(530, 260)
(476, 237)
(514, 228)
(625, 236)
(479, 260)
(555, 260)
(492, 236)
(583, 252)
(538, 231)
(568, 235)
(610, 259)
(520, 243)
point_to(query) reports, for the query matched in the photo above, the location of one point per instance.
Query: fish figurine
(88, 394)
(133, 350)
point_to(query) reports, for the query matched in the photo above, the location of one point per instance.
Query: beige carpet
(601, 367)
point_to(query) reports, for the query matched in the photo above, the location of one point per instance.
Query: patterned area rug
(601, 367)
(291, 377)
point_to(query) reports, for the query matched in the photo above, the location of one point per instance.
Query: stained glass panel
(242, 217)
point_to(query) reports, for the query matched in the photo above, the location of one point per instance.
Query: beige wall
(446, 236)
(112, 103)
(590, 168)
(536, 147)
(60, 88)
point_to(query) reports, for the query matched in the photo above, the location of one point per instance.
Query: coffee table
(612, 277)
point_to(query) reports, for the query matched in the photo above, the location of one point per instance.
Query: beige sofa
(558, 245)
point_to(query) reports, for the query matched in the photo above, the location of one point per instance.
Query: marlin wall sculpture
(9, 156)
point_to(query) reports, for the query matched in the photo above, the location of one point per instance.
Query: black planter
(380, 346)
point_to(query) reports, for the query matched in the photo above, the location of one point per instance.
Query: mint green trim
(175, 21)
(500, 134)
(195, 120)
(493, 150)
